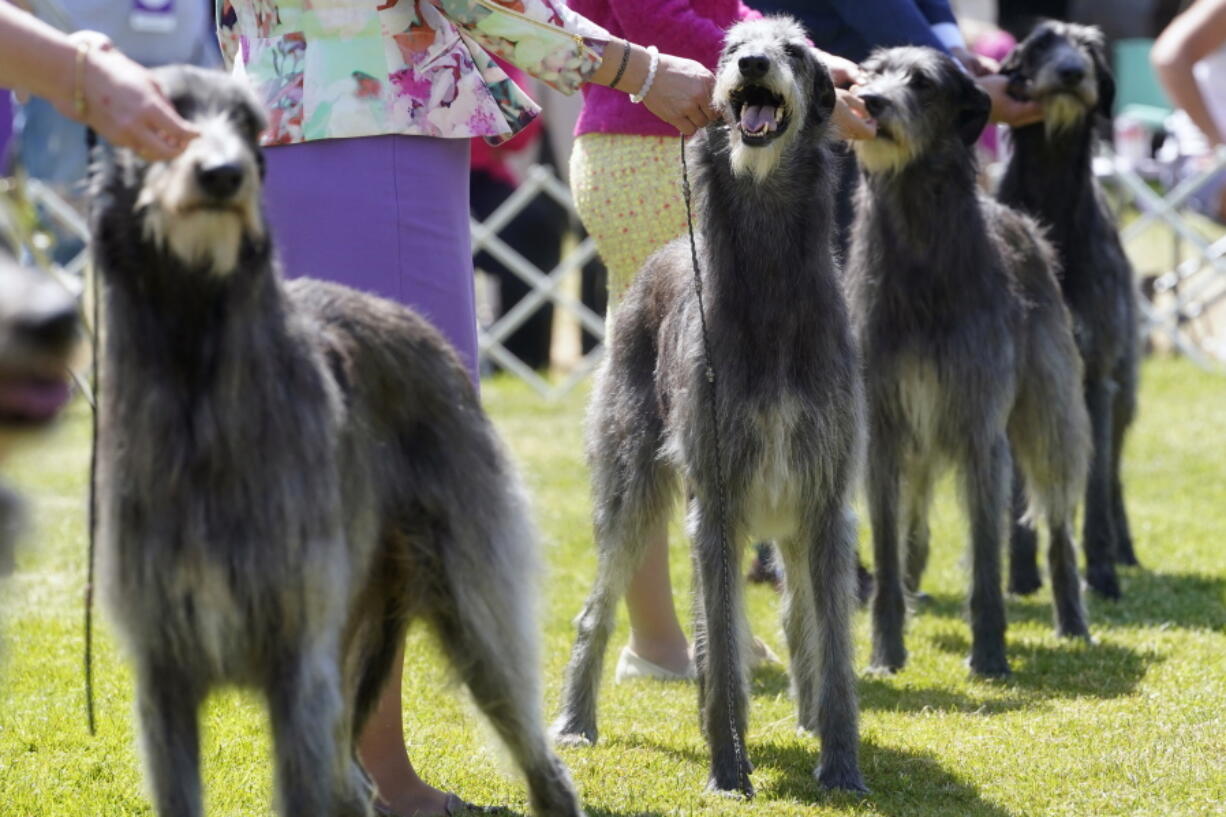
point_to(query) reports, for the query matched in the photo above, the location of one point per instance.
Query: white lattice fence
(547, 285)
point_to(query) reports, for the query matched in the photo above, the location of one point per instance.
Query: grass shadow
(1184, 600)
(880, 695)
(1069, 669)
(772, 681)
(900, 782)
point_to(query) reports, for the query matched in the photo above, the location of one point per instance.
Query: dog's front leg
(1024, 576)
(986, 486)
(308, 724)
(884, 497)
(832, 574)
(1098, 532)
(167, 703)
(722, 687)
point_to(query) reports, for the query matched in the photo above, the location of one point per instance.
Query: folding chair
(1196, 278)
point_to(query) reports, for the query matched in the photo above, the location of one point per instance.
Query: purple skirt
(382, 214)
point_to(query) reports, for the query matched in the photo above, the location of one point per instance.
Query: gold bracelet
(78, 87)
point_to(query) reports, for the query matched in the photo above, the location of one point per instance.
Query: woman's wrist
(652, 66)
(635, 73)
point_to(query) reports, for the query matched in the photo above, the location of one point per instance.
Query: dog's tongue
(757, 118)
(33, 399)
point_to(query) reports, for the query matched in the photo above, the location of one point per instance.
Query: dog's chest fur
(772, 505)
(200, 536)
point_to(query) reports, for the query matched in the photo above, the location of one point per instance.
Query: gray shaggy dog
(788, 400)
(1064, 67)
(967, 347)
(38, 330)
(289, 473)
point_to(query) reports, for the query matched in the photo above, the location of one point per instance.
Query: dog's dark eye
(732, 49)
(793, 51)
(920, 82)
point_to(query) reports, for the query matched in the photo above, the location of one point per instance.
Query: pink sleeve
(672, 26)
(744, 12)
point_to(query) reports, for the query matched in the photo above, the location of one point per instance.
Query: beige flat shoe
(630, 667)
(453, 806)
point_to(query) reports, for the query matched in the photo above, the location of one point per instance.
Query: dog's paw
(731, 791)
(568, 733)
(840, 778)
(1024, 583)
(989, 667)
(573, 739)
(1077, 634)
(887, 661)
(1103, 581)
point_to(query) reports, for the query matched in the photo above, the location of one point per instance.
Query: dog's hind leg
(311, 736)
(1123, 412)
(633, 495)
(916, 505)
(800, 629)
(1098, 532)
(986, 487)
(889, 604)
(718, 647)
(1024, 578)
(168, 702)
(832, 574)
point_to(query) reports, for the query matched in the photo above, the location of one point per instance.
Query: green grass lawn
(1135, 725)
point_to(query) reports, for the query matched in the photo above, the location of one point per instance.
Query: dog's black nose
(754, 66)
(1071, 73)
(220, 181)
(50, 329)
(874, 102)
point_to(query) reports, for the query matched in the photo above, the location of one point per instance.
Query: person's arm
(887, 23)
(1189, 38)
(564, 49)
(87, 80)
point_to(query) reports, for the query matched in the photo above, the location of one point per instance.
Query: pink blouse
(684, 28)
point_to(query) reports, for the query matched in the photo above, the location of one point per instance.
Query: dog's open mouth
(760, 114)
(31, 398)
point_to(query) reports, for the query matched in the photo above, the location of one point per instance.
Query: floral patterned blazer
(339, 68)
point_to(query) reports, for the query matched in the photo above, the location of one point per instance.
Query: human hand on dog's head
(124, 104)
(851, 118)
(1006, 107)
(978, 65)
(843, 72)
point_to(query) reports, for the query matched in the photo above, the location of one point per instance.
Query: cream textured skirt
(627, 191)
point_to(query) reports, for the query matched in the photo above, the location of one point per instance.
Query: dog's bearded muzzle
(205, 204)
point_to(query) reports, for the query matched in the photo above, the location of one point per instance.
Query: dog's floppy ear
(974, 107)
(823, 88)
(1097, 46)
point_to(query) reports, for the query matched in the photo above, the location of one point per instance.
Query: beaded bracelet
(621, 69)
(654, 53)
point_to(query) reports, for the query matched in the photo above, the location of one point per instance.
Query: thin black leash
(91, 140)
(721, 503)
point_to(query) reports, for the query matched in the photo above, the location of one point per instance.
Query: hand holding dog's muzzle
(852, 119)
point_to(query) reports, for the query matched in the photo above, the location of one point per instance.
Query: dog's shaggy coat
(787, 396)
(967, 347)
(287, 475)
(1064, 67)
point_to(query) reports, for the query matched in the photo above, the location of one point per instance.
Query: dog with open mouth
(38, 330)
(788, 422)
